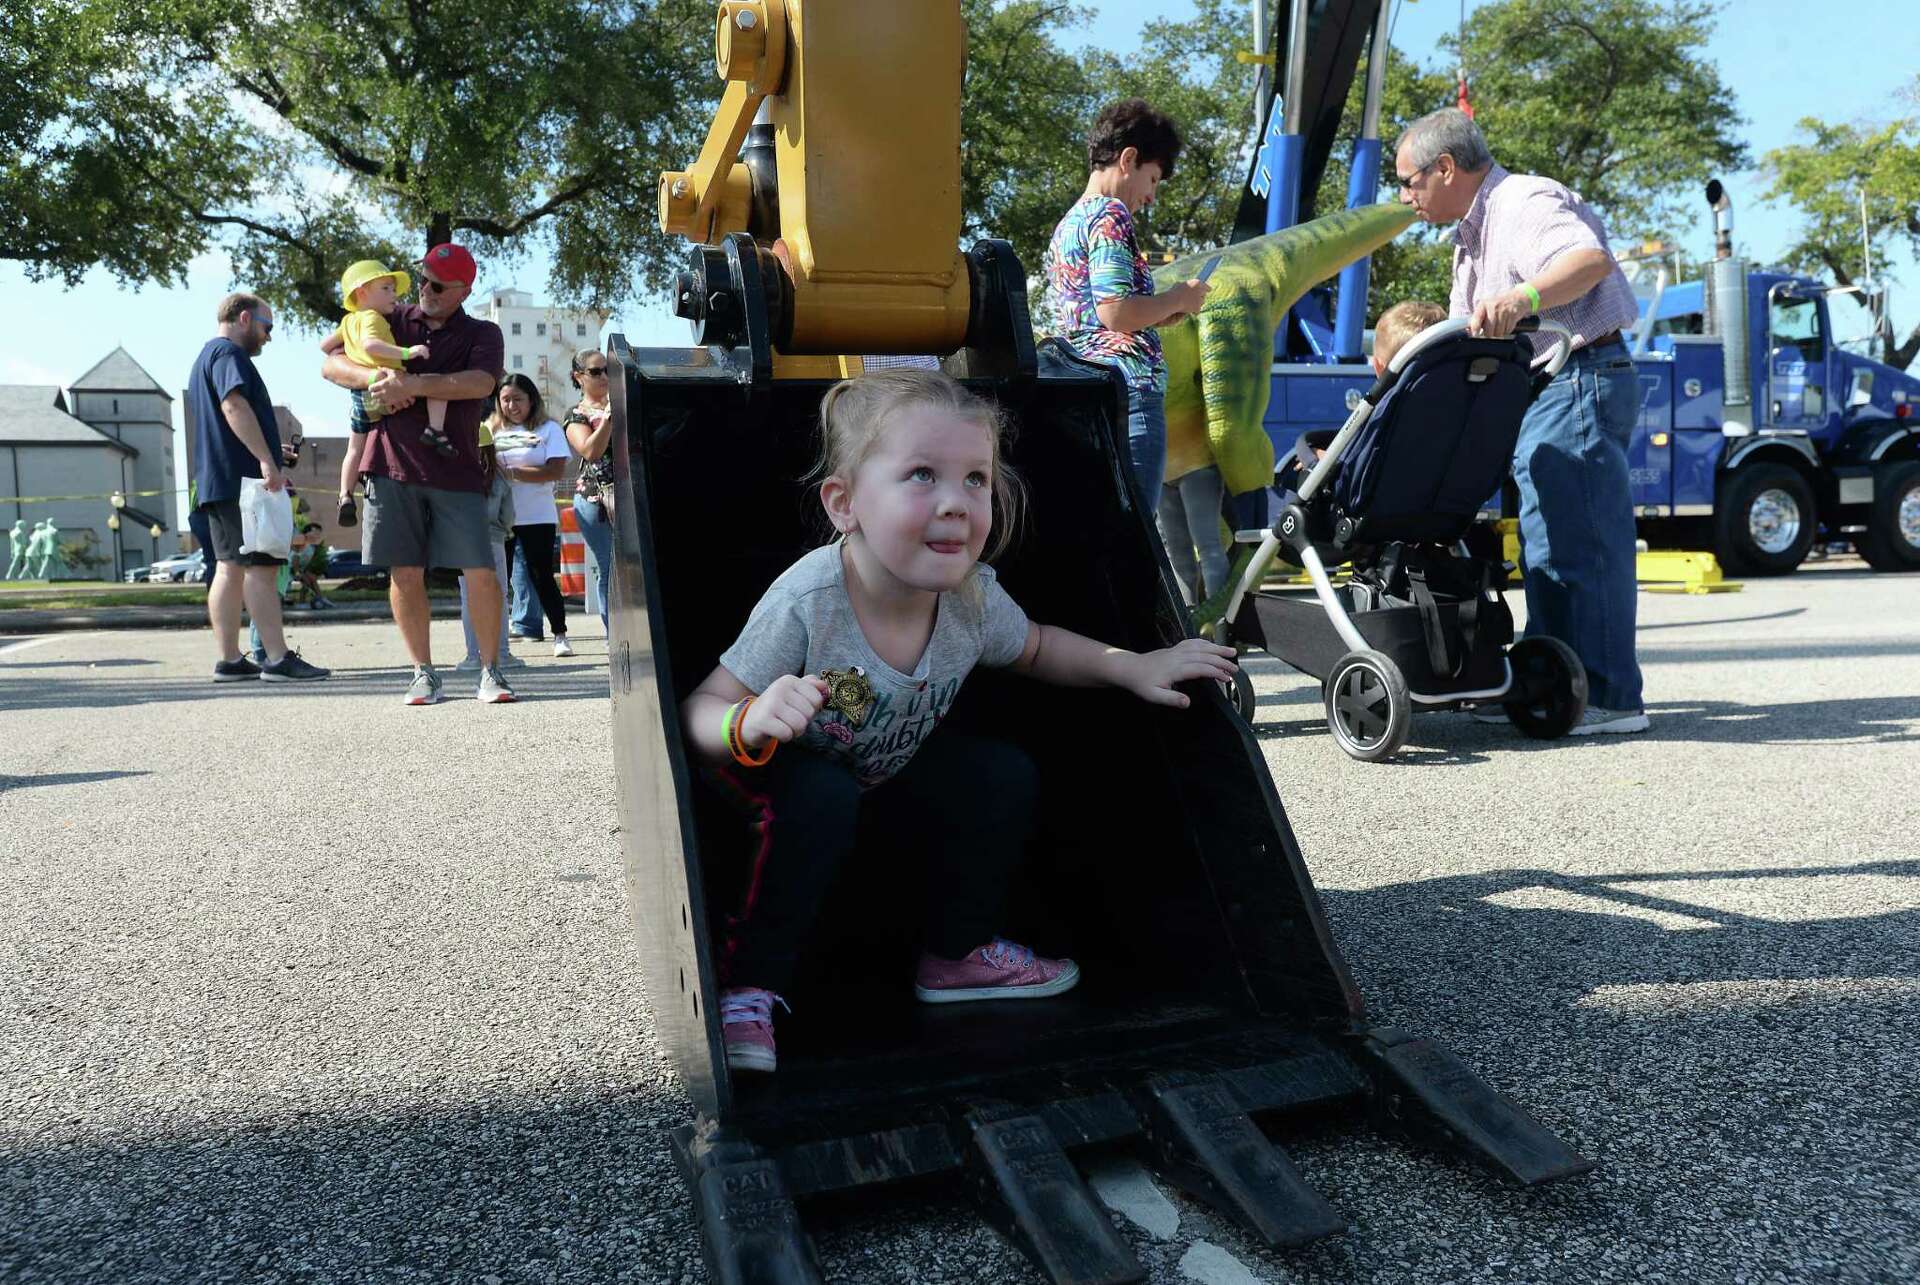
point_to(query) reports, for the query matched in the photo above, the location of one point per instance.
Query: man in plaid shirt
(1527, 246)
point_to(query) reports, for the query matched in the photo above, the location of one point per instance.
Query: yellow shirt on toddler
(361, 327)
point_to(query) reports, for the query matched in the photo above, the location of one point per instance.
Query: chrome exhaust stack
(1727, 316)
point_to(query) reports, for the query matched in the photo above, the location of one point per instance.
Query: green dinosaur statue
(1218, 376)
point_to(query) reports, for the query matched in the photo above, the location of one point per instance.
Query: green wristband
(1531, 294)
(373, 377)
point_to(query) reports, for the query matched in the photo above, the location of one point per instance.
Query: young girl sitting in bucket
(851, 660)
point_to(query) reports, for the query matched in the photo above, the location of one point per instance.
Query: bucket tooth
(1429, 1092)
(1201, 1137)
(747, 1217)
(1035, 1197)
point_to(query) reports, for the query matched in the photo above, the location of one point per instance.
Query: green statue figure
(16, 549)
(50, 564)
(36, 546)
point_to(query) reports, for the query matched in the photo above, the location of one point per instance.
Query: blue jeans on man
(1576, 519)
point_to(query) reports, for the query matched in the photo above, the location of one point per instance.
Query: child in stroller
(1421, 622)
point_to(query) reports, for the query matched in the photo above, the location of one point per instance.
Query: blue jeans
(466, 619)
(1147, 440)
(1576, 519)
(1190, 521)
(596, 529)
(523, 610)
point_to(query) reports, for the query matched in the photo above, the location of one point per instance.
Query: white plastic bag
(266, 519)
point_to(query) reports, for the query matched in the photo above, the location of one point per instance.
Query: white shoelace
(1006, 954)
(753, 1005)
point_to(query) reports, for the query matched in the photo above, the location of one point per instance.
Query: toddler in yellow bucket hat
(369, 291)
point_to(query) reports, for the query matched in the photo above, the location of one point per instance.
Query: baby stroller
(1421, 624)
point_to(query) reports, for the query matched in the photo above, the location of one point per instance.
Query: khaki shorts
(424, 526)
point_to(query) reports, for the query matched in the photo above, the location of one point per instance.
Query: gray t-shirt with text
(804, 624)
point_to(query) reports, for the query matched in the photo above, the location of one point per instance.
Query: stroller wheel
(1368, 709)
(1239, 693)
(1550, 686)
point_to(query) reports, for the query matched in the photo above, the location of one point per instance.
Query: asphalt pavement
(299, 984)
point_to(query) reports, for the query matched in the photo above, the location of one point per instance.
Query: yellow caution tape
(52, 499)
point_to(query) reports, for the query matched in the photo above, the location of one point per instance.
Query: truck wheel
(1368, 709)
(1764, 520)
(1892, 539)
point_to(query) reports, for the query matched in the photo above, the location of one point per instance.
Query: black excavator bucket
(1214, 1004)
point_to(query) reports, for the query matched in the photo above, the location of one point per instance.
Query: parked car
(187, 566)
(137, 575)
(345, 564)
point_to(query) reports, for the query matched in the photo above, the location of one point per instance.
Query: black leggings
(963, 807)
(537, 540)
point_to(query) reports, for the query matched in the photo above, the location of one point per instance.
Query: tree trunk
(1902, 357)
(439, 228)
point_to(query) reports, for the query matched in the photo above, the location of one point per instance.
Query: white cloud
(24, 370)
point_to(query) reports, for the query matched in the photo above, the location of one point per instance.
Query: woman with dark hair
(1102, 294)
(589, 428)
(533, 453)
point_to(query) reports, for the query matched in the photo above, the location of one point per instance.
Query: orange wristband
(736, 744)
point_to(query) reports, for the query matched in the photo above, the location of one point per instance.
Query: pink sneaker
(746, 1025)
(998, 970)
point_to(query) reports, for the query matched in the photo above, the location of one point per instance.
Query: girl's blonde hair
(855, 414)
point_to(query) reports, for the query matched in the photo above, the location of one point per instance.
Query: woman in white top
(533, 455)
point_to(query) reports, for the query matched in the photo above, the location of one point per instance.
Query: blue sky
(1764, 49)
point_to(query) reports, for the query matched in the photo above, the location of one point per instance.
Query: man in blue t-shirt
(235, 436)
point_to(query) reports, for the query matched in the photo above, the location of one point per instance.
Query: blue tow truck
(1758, 434)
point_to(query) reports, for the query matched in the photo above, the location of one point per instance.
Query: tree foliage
(305, 135)
(1188, 70)
(1025, 108)
(1826, 178)
(91, 146)
(1615, 98)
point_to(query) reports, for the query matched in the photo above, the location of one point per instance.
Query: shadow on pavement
(545, 682)
(519, 1191)
(1721, 620)
(112, 662)
(62, 778)
(1810, 649)
(1737, 1121)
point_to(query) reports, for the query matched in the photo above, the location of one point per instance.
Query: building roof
(38, 413)
(118, 372)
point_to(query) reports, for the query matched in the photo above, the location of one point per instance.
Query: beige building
(64, 455)
(541, 341)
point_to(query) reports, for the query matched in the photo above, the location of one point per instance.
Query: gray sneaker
(425, 687)
(493, 688)
(1610, 722)
(510, 661)
(235, 671)
(290, 668)
(468, 665)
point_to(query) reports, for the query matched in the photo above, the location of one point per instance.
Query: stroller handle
(1562, 350)
(1562, 343)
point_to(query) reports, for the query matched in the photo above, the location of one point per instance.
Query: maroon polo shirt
(394, 448)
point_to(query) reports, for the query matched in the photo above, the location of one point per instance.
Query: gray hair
(1447, 132)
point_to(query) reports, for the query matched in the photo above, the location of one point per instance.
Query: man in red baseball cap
(425, 509)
